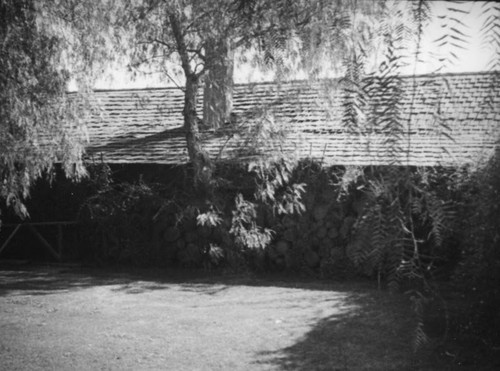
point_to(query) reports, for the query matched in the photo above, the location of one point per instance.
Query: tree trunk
(202, 166)
(218, 89)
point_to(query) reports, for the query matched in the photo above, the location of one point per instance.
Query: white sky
(474, 58)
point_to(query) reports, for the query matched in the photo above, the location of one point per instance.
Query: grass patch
(60, 318)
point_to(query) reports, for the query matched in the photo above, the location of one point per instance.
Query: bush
(477, 278)
(117, 224)
(143, 224)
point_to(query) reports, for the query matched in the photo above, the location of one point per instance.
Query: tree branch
(161, 42)
(197, 52)
(181, 44)
(146, 60)
(165, 71)
(256, 35)
(195, 21)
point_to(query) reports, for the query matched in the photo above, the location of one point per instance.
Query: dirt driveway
(54, 318)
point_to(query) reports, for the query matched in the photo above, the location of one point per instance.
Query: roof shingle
(146, 125)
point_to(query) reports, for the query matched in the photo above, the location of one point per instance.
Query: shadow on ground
(35, 279)
(377, 334)
(374, 330)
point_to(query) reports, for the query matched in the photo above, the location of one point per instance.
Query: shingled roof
(443, 120)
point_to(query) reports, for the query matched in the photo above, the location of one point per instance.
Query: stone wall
(170, 235)
(318, 239)
(315, 240)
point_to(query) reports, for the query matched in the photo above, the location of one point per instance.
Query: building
(426, 120)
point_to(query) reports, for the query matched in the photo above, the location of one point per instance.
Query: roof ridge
(297, 81)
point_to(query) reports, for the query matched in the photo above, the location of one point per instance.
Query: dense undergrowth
(476, 280)
(431, 233)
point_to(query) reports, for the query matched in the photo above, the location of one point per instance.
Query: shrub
(477, 278)
(117, 222)
(400, 231)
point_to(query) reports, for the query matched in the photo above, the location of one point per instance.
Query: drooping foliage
(477, 276)
(402, 231)
(404, 222)
(39, 124)
(402, 227)
(196, 43)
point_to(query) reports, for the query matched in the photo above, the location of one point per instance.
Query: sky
(472, 58)
(476, 55)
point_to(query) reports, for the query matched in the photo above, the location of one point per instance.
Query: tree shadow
(35, 279)
(44, 280)
(345, 341)
(342, 341)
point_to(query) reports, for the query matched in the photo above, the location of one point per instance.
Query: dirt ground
(69, 318)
